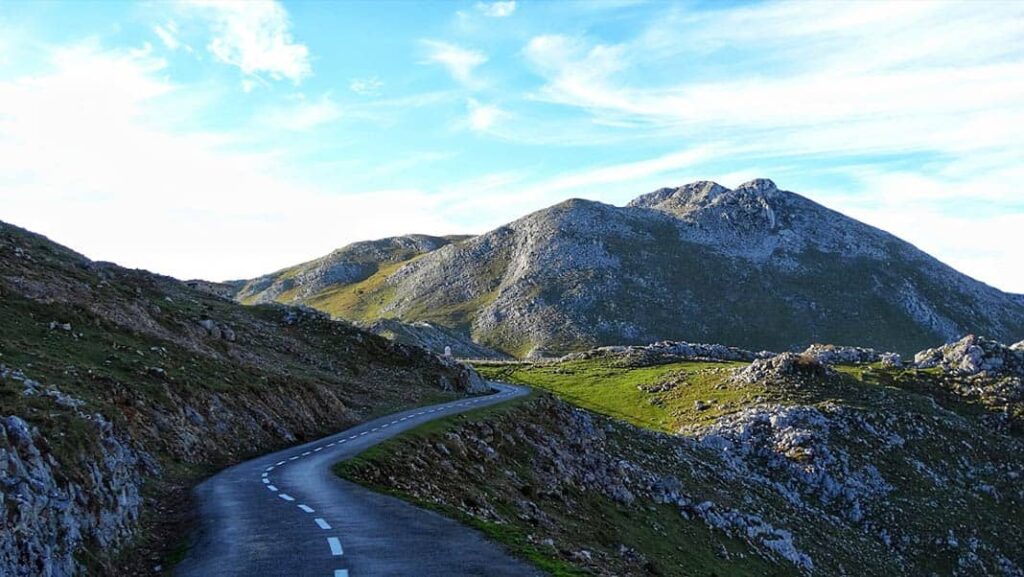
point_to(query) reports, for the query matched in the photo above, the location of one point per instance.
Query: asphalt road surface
(288, 514)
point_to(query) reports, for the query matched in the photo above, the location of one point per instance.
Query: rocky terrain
(120, 388)
(755, 266)
(666, 352)
(982, 372)
(788, 466)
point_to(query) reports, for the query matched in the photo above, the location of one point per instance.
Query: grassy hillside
(120, 388)
(567, 531)
(698, 468)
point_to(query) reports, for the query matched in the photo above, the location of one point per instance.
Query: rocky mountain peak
(759, 186)
(688, 194)
(692, 197)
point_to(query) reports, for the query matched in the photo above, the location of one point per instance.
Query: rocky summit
(755, 267)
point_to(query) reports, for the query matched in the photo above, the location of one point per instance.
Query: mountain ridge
(753, 266)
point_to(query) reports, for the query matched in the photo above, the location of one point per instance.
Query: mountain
(755, 267)
(318, 282)
(119, 389)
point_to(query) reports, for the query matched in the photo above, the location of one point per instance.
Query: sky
(225, 140)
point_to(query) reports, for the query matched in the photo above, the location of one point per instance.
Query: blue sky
(224, 140)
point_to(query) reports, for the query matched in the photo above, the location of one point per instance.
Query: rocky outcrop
(794, 446)
(982, 371)
(840, 355)
(668, 352)
(52, 503)
(973, 355)
(786, 369)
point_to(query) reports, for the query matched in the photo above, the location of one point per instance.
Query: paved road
(288, 514)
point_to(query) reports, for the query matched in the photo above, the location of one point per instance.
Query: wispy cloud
(852, 89)
(482, 117)
(366, 86)
(458, 61)
(168, 35)
(496, 9)
(302, 114)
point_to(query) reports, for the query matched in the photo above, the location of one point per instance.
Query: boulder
(974, 355)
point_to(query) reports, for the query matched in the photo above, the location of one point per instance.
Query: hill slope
(755, 267)
(780, 466)
(119, 388)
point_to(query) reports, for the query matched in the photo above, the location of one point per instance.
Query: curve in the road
(288, 514)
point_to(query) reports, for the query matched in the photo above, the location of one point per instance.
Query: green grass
(456, 315)
(603, 387)
(361, 301)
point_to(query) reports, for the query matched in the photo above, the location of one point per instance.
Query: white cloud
(254, 36)
(303, 114)
(86, 158)
(168, 35)
(482, 116)
(366, 86)
(497, 9)
(460, 62)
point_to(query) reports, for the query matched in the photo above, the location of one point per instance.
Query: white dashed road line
(334, 542)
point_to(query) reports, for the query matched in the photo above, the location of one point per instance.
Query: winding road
(288, 514)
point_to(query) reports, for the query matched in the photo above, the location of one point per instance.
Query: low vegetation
(695, 468)
(119, 389)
